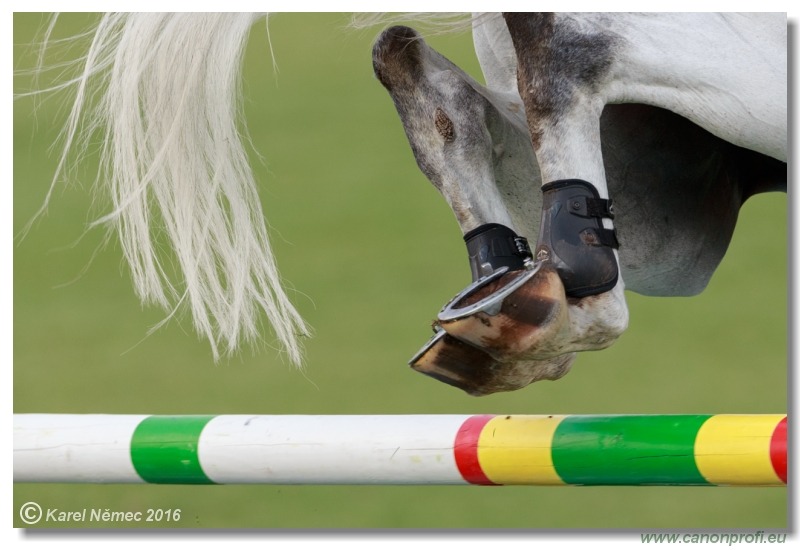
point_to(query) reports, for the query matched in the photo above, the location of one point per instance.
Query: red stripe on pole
(466, 450)
(777, 449)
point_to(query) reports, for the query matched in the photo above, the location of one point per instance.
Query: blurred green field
(372, 252)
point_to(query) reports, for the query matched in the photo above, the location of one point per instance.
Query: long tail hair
(164, 91)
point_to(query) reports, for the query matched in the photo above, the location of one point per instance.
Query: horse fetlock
(597, 321)
(573, 238)
(492, 246)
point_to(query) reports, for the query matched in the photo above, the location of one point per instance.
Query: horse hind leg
(474, 147)
(572, 299)
(561, 71)
(446, 121)
(476, 151)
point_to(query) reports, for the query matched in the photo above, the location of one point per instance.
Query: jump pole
(402, 449)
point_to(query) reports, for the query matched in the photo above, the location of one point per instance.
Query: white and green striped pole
(402, 449)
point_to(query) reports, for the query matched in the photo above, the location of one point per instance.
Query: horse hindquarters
(678, 187)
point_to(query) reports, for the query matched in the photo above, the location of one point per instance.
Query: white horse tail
(178, 173)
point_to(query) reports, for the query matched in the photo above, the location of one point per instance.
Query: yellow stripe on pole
(734, 449)
(517, 450)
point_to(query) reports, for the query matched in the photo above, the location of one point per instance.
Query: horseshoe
(491, 304)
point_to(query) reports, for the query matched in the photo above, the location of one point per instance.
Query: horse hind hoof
(510, 315)
(466, 303)
(464, 366)
(456, 363)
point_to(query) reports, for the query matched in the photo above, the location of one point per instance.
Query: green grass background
(372, 252)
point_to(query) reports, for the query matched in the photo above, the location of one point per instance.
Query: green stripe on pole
(164, 449)
(628, 450)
